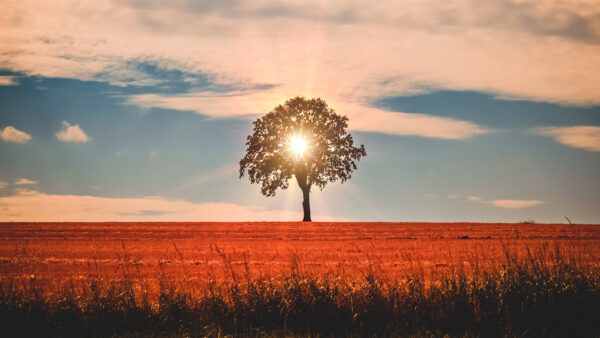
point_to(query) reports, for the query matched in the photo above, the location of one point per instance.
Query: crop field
(75, 250)
(285, 277)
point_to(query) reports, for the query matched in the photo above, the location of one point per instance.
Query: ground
(347, 250)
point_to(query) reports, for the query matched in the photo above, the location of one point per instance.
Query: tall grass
(549, 292)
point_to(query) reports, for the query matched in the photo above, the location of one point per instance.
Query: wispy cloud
(342, 51)
(218, 105)
(475, 199)
(583, 137)
(362, 117)
(515, 204)
(12, 134)
(399, 123)
(7, 80)
(72, 133)
(568, 19)
(25, 181)
(508, 204)
(28, 205)
(3, 184)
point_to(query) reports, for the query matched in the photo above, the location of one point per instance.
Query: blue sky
(139, 116)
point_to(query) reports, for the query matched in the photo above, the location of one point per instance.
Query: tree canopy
(303, 138)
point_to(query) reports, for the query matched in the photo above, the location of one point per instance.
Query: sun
(298, 145)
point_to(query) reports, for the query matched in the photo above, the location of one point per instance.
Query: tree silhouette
(302, 138)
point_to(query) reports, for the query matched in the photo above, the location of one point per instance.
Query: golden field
(304, 279)
(348, 250)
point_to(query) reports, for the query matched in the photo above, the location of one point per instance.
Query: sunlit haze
(298, 145)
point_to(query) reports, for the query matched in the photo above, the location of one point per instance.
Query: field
(64, 250)
(193, 260)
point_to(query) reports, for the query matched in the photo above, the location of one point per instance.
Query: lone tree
(302, 138)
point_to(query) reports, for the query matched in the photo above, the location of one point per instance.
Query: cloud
(509, 204)
(11, 134)
(25, 181)
(213, 104)
(344, 51)
(362, 117)
(583, 137)
(475, 199)
(398, 123)
(30, 206)
(3, 184)
(515, 204)
(72, 134)
(569, 19)
(7, 80)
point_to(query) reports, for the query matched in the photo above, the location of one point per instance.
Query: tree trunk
(305, 187)
(306, 204)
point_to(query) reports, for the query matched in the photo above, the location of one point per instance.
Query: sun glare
(298, 145)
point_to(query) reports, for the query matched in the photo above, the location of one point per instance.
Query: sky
(132, 110)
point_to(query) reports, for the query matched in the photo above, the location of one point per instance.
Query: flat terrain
(76, 250)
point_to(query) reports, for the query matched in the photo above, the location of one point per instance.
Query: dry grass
(455, 287)
(74, 250)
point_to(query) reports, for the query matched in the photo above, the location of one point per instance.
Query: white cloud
(7, 80)
(11, 134)
(25, 181)
(377, 120)
(3, 184)
(153, 154)
(27, 205)
(583, 137)
(72, 134)
(344, 52)
(509, 204)
(362, 117)
(515, 204)
(213, 104)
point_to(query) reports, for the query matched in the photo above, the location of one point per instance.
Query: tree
(302, 138)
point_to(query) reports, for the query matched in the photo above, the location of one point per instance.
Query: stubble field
(349, 279)
(347, 250)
